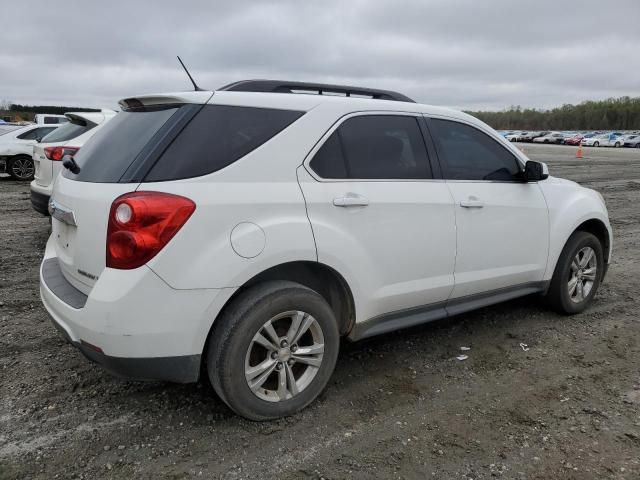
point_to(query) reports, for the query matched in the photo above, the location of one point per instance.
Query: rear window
(216, 137)
(69, 131)
(110, 152)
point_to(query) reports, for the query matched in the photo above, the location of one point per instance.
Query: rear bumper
(181, 369)
(40, 198)
(131, 322)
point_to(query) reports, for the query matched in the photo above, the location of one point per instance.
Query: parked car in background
(530, 136)
(632, 141)
(603, 140)
(551, 137)
(16, 149)
(236, 234)
(514, 136)
(49, 119)
(573, 140)
(66, 140)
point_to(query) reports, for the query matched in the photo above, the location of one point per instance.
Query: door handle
(472, 202)
(351, 200)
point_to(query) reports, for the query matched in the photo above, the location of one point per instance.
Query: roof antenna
(195, 87)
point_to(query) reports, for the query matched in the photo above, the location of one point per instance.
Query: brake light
(56, 153)
(141, 224)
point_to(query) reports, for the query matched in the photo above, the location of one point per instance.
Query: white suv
(49, 153)
(246, 230)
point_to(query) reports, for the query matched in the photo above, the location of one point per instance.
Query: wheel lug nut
(284, 344)
(274, 355)
(294, 348)
(291, 362)
(279, 366)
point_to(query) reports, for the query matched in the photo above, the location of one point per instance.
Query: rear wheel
(273, 350)
(596, 144)
(617, 144)
(577, 275)
(21, 167)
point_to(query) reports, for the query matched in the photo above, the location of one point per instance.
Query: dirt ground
(565, 406)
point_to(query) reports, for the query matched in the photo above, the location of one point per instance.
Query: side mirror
(535, 171)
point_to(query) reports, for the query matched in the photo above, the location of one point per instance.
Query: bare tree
(5, 104)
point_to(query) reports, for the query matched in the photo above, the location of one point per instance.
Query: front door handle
(351, 200)
(472, 202)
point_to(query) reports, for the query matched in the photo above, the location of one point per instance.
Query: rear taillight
(56, 153)
(141, 224)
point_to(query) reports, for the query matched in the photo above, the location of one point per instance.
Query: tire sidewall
(231, 358)
(576, 243)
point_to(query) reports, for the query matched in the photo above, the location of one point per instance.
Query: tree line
(48, 109)
(611, 114)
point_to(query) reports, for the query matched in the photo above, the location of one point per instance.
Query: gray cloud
(466, 53)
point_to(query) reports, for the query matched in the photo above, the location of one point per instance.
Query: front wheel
(596, 144)
(273, 350)
(577, 275)
(21, 167)
(617, 144)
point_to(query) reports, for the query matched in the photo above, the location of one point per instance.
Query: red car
(575, 140)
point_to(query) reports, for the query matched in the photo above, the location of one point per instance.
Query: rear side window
(216, 137)
(30, 135)
(70, 130)
(114, 147)
(466, 153)
(376, 147)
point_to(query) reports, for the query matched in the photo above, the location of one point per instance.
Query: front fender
(570, 205)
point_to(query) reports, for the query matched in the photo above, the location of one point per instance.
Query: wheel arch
(600, 231)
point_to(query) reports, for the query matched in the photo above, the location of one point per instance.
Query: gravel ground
(566, 405)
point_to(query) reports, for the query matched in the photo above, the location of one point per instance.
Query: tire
(21, 167)
(561, 296)
(596, 144)
(617, 144)
(546, 141)
(237, 350)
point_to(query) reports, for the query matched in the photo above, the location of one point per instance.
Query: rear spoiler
(162, 100)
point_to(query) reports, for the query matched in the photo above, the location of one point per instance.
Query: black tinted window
(374, 147)
(466, 153)
(108, 154)
(216, 137)
(328, 162)
(30, 135)
(69, 131)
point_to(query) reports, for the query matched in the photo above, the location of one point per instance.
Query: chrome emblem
(61, 213)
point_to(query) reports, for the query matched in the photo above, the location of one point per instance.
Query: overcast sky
(467, 54)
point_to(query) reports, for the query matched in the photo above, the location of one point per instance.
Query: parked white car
(514, 137)
(603, 140)
(16, 149)
(552, 137)
(50, 152)
(242, 232)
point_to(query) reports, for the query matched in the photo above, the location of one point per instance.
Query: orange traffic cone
(579, 152)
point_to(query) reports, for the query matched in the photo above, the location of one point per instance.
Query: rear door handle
(351, 200)
(472, 202)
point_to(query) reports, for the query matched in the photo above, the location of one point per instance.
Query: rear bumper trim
(40, 202)
(54, 279)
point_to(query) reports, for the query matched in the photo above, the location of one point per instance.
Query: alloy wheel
(284, 356)
(582, 274)
(22, 168)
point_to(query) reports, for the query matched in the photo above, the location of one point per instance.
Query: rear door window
(216, 137)
(374, 147)
(70, 130)
(466, 153)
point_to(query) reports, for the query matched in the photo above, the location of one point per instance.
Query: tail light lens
(141, 224)
(56, 153)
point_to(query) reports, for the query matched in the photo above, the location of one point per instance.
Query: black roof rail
(281, 86)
